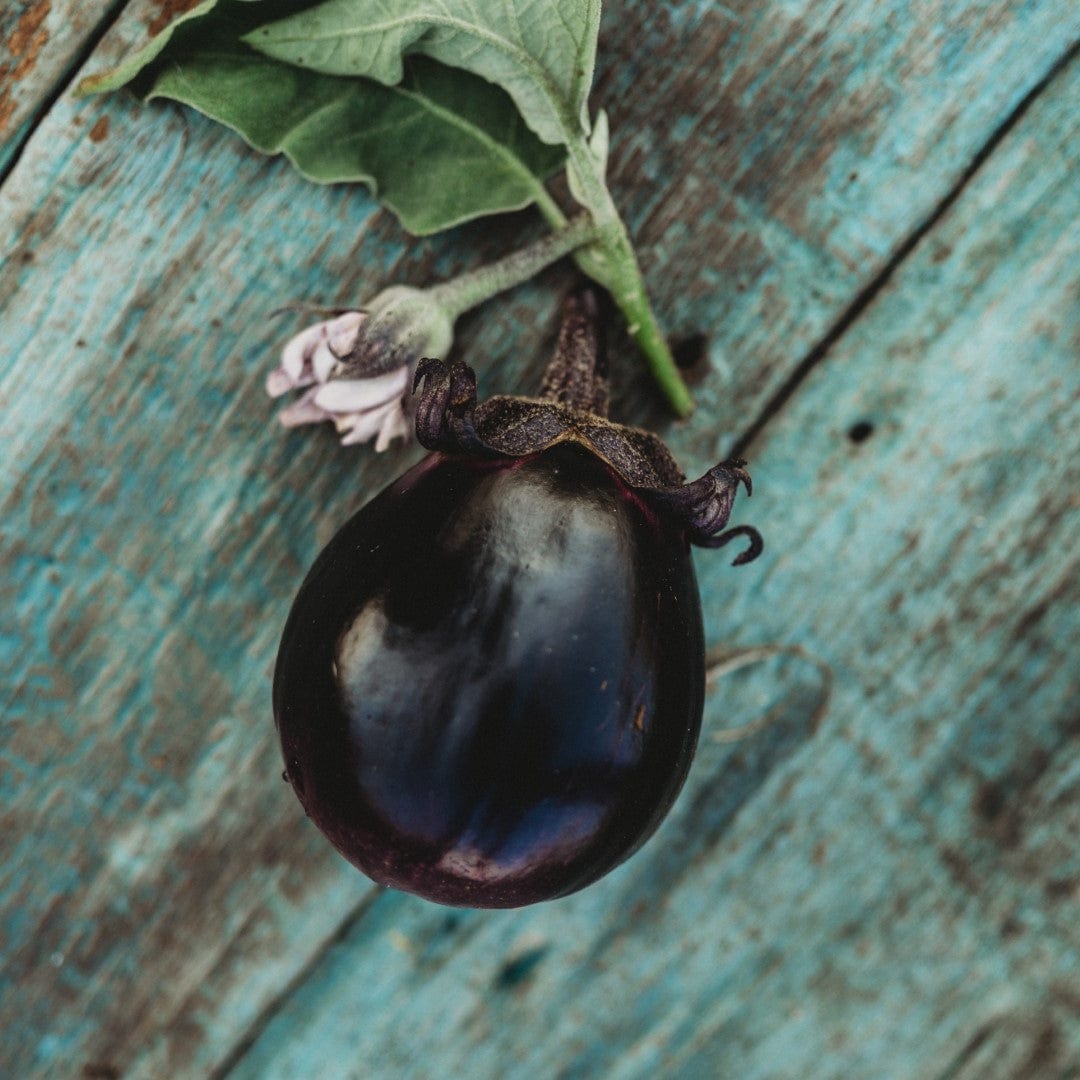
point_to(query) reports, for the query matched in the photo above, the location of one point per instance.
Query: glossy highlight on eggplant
(490, 687)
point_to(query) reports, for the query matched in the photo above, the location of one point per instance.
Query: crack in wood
(13, 151)
(275, 1005)
(869, 293)
(321, 941)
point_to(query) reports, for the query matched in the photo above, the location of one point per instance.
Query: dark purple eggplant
(490, 687)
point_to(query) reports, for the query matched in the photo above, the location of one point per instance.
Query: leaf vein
(539, 74)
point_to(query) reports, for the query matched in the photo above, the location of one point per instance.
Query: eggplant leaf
(542, 54)
(130, 68)
(441, 147)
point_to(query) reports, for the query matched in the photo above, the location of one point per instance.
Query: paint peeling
(7, 103)
(24, 45)
(169, 10)
(29, 35)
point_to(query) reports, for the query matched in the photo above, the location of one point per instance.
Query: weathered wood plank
(893, 893)
(775, 167)
(157, 889)
(40, 43)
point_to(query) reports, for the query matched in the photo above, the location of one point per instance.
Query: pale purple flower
(357, 369)
(312, 355)
(361, 408)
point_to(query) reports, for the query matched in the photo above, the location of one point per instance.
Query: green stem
(549, 208)
(462, 293)
(611, 261)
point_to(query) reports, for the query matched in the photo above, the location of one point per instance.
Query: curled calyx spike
(444, 412)
(572, 408)
(753, 549)
(706, 504)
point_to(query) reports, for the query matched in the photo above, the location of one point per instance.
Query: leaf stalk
(462, 293)
(612, 262)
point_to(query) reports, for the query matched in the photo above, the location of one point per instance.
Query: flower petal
(303, 411)
(341, 332)
(297, 352)
(396, 425)
(323, 361)
(359, 395)
(279, 382)
(361, 426)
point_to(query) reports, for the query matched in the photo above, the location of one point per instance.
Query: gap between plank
(862, 300)
(15, 151)
(301, 976)
(866, 296)
(779, 399)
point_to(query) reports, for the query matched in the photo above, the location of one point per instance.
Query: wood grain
(42, 42)
(894, 892)
(37, 43)
(162, 901)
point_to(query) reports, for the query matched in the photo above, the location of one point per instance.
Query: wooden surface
(870, 212)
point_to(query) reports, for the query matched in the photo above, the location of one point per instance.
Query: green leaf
(598, 153)
(243, 15)
(440, 148)
(124, 72)
(542, 54)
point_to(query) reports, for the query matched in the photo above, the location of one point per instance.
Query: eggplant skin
(489, 688)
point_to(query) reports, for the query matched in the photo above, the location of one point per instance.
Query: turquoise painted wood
(40, 44)
(879, 878)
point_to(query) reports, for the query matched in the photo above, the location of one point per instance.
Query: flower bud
(403, 325)
(357, 368)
